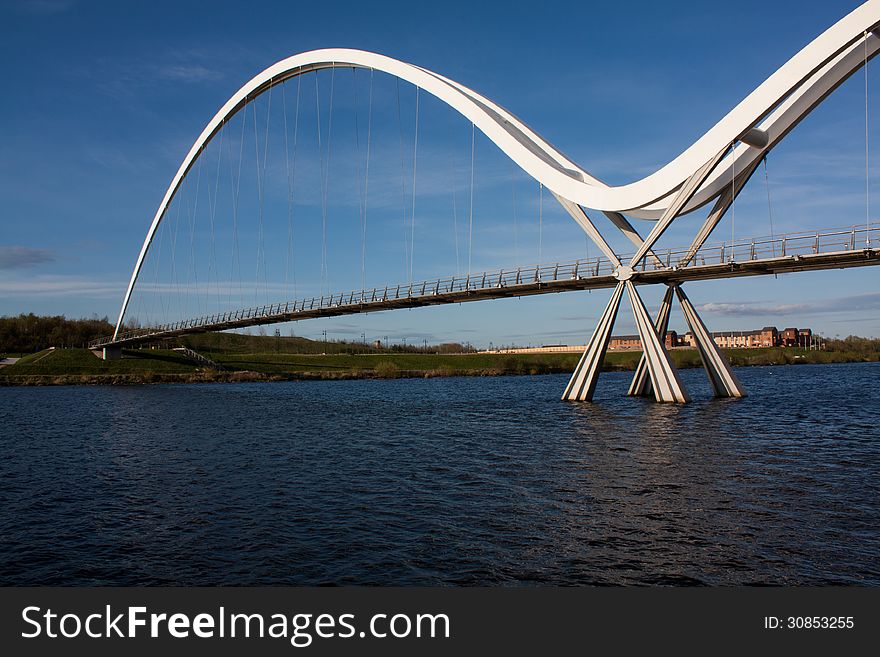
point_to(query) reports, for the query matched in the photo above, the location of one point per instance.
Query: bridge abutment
(111, 353)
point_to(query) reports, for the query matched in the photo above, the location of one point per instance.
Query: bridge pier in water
(655, 374)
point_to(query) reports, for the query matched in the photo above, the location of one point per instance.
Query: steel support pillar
(641, 383)
(583, 381)
(721, 376)
(664, 378)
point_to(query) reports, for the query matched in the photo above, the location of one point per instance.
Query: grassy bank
(79, 366)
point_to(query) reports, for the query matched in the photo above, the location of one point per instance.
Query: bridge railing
(790, 244)
(743, 250)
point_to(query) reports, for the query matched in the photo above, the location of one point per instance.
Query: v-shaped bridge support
(641, 383)
(721, 376)
(655, 375)
(665, 383)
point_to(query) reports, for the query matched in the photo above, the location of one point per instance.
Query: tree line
(853, 344)
(29, 333)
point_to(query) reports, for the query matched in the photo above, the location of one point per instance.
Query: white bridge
(709, 174)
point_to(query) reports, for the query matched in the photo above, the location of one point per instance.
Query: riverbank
(145, 366)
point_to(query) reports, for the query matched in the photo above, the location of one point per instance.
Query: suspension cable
(357, 161)
(540, 222)
(174, 274)
(289, 179)
(212, 265)
(366, 185)
(322, 172)
(291, 237)
(139, 309)
(327, 185)
(325, 172)
(769, 207)
(471, 209)
(362, 185)
(412, 216)
(162, 232)
(867, 194)
(515, 222)
(235, 184)
(402, 182)
(259, 202)
(454, 207)
(261, 182)
(289, 191)
(732, 200)
(263, 197)
(193, 213)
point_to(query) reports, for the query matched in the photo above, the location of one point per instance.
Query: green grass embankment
(63, 366)
(81, 366)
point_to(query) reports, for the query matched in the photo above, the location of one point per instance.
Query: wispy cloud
(20, 257)
(751, 308)
(58, 286)
(188, 73)
(858, 302)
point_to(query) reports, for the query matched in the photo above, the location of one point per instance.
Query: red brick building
(769, 336)
(788, 337)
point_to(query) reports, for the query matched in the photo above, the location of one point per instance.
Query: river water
(455, 481)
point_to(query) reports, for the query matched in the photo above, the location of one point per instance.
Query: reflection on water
(443, 481)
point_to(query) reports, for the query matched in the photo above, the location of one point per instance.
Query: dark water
(443, 481)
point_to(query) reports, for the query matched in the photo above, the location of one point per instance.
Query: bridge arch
(774, 108)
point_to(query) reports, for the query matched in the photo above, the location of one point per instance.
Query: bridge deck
(790, 253)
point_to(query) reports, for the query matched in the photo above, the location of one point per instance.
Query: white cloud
(752, 308)
(858, 302)
(60, 286)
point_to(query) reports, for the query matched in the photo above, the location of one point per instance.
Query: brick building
(788, 337)
(625, 342)
(622, 342)
(769, 336)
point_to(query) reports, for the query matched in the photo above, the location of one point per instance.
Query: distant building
(624, 342)
(788, 337)
(738, 339)
(769, 336)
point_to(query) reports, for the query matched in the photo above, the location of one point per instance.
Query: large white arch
(774, 108)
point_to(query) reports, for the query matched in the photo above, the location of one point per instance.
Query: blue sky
(107, 97)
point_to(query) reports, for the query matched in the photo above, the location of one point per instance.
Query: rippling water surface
(443, 481)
